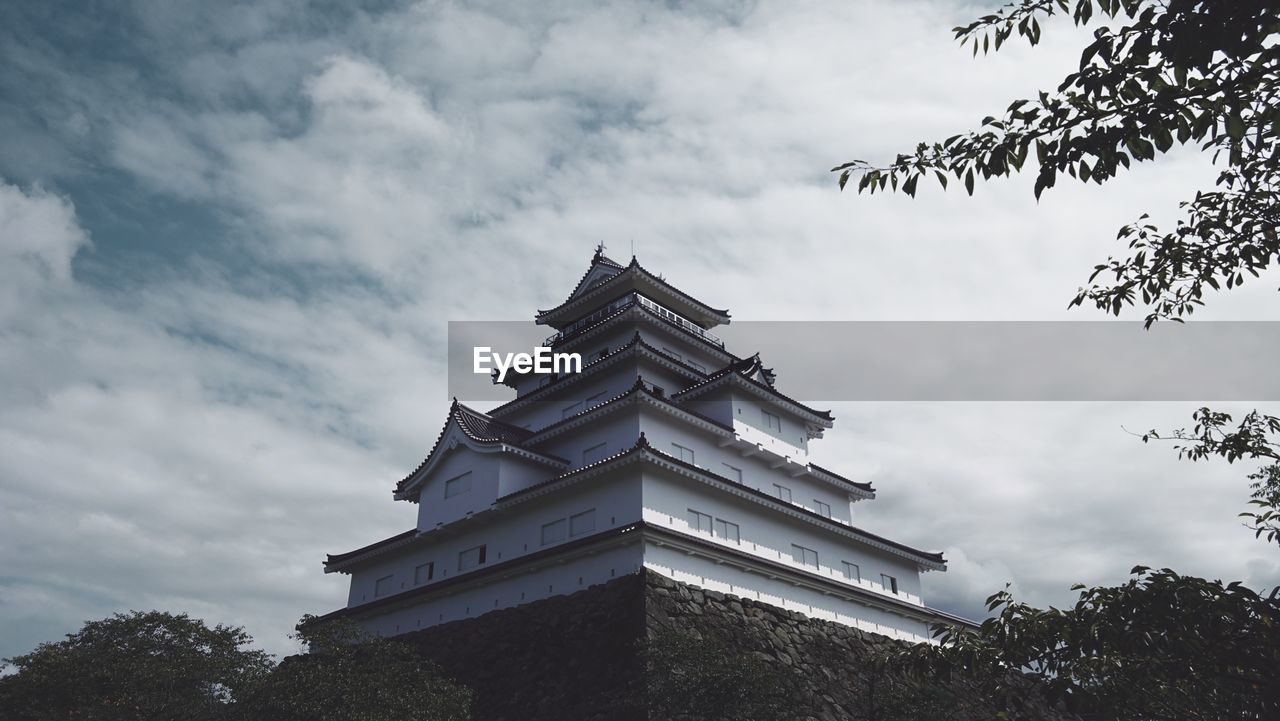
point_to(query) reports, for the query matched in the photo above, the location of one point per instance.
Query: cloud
(204, 403)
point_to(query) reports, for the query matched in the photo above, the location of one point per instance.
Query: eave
(634, 278)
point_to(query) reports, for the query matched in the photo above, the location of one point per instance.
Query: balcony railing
(630, 299)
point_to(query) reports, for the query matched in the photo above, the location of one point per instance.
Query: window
(580, 523)
(471, 558)
(457, 486)
(824, 509)
(701, 368)
(889, 582)
(554, 531)
(783, 492)
(684, 454)
(726, 530)
(593, 454)
(699, 521)
(852, 572)
(571, 409)
(804, 556)
(424, 573)
(382, 586)
(733, 473)
(672, 353)
(771, 422)
(592, 400)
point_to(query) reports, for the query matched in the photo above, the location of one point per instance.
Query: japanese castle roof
(482, 429)
(750, 373)
(606, 279)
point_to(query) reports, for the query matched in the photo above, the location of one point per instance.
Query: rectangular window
(597, 398)
(771, 422)
(783, 492)
(852, 572)
(580, 523)
(824, 509)
(554, 532)
(382, 586)
(594, 453)
(424, 573)
(684, 454)
(672, 353)
(700, 368)
(726, 530)
(457, 486)
(889, 582)
(699, 521)
(471, 558)
(571, 409)
(804, 556)
(733, 473)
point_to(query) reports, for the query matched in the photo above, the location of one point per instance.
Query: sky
(232, 234)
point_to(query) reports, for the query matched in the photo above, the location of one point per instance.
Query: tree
(1177, 71)
(140, 665)
(1162, 646)
(347, 675)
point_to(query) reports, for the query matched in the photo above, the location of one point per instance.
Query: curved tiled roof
(633, 267)
(745, 369)
(479, 427)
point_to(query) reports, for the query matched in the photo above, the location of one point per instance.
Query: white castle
(666, 452)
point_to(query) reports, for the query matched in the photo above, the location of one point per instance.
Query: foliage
(150, 665)
(1162, 646)
(1257, 436)
(1174, 72)
(701, 677)
(349, 676)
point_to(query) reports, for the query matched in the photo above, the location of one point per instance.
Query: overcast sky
(231, 238)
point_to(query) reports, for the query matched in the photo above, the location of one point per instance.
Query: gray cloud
(194, 423)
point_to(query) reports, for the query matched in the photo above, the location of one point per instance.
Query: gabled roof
(636, 343)
(632, 277)
(601, 269)
(483, 430)
(751, 374)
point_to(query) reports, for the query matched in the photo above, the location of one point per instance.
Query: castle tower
(665, 452)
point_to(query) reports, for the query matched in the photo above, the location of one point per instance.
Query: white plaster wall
(434, 508)
(661, 430)
(706, 573)
(507, 534)
(766, 533)
(490, 595)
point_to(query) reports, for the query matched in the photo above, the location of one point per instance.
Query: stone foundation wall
(577, 657)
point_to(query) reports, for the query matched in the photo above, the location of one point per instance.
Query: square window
(471, 558)
(889, 582)
(783, 492)
(554, 532)
(458, 485)
(852, 572)
(594, 453)
(824, 509)
(424, 573)
(699, 521)
(771, 421)
(733, 473)
(383, 586)
(804, 556)
(580, 523)
(726, 530)
(684, 454)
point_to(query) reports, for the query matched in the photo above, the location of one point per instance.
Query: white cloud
(197, 434)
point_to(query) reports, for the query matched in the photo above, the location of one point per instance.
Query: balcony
(626, 301)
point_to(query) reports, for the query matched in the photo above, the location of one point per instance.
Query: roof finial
(599, 252)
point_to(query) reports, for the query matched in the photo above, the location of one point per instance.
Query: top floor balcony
(631, 299)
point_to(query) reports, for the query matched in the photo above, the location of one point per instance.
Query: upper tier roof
(606, 279)
(751, 374)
